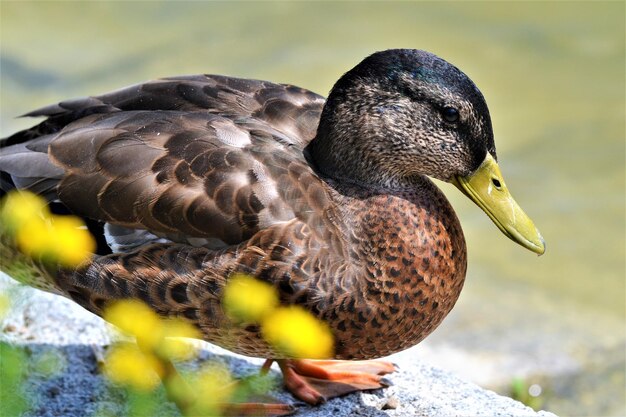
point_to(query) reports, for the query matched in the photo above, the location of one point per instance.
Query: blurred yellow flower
(177, 349)
(34, 236)
(179, 328)
(137, 319)
(215, 387)
(248, 299)
(62, 239)
(297, 333)
(172, 346)
(292, 330)
(18, 208)
(152, 332)
(74, 244)
(127, 365)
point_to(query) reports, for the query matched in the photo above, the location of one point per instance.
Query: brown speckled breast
(410, 259)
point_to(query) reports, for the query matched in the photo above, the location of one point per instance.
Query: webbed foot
(315, 381)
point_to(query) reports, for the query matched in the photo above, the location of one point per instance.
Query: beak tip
(543, 246)
(540, 247)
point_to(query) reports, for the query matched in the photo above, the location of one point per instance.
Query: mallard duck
(187, 180)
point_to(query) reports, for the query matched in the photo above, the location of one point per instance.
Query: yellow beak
(487, 189)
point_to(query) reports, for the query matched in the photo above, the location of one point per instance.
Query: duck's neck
(346, 163)
(350, 141)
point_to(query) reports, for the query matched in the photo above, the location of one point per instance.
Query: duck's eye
(450, 114)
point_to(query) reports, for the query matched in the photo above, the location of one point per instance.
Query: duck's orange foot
(257, 409)
(315, 382)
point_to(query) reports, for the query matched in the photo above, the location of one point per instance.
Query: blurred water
(552, 73)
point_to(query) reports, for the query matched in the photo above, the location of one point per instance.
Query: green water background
(552, 74)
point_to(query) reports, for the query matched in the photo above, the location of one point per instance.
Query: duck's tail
(25, 165)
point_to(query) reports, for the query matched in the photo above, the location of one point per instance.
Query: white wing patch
(265, 190)
(124, 239)
(229, 134)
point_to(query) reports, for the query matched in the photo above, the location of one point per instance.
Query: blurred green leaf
(13, 400)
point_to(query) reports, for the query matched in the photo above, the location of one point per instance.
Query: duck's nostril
(496, 183)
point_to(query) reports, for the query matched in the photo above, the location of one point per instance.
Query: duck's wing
(291, 110)
(206, 157)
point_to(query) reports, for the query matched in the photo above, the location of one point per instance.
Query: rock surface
(51, 325)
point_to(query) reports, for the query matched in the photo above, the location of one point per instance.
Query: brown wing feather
(202, 156)
(291, 110)
(194, 173)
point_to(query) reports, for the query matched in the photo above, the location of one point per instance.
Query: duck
(185, 181)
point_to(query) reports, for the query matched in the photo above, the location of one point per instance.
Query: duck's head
(403, 113)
